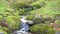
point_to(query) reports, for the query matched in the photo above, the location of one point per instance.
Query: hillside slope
(51, 7)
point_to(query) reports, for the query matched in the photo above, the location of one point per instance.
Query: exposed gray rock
(30, 22)
(38, 20)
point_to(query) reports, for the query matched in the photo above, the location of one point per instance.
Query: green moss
(43, 29)
(13, 23)
(29, 17)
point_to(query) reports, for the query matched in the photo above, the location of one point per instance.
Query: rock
(57, 16)
(38, 20)
(30, 22)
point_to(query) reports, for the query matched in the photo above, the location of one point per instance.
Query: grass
(50, 8)
(2, 7)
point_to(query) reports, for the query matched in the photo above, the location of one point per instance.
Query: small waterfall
(24, 26)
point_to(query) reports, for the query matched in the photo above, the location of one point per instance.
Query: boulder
(38, 20)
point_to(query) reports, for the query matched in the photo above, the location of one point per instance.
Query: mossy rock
(49, 20)
(57, 17)
(13, 23)
(43, 29)
(38, 20)
(57, 21)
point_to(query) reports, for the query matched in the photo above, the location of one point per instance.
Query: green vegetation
(51, 7)
(39, 11)
(43, 29)
(29, 17)
(1, 30)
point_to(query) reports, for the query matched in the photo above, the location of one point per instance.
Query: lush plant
(37, 7)
(13, 23)
(43, 29)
